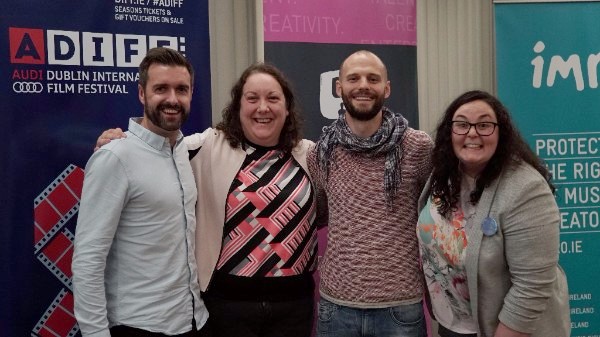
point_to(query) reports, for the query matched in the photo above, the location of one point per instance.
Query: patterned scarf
(385, 141)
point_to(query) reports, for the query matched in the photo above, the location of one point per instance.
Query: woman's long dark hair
(511, 149)
(231, 125)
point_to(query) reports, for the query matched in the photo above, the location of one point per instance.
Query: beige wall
(236, 41)
(454, 53)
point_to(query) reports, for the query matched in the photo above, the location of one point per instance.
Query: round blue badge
(489, 226)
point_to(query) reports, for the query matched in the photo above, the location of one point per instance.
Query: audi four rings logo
(28, 87)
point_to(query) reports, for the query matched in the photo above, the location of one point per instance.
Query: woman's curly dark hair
(231, 126)
(511, 149)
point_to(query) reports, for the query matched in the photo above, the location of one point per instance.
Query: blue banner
(69, 71)
(547, 66)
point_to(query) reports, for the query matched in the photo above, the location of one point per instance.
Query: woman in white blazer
(489, 229)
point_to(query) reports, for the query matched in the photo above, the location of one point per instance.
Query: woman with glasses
(489, 229)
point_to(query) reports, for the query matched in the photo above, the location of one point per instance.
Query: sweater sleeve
(421, 145)
(318, 181)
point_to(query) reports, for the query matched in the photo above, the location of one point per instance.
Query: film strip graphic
(57, 256)
(58, 320)
(53, 247)
(56, 205)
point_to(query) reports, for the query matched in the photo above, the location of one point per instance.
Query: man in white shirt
(134, 270)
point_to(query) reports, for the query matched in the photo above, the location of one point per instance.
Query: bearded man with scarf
(369, 168)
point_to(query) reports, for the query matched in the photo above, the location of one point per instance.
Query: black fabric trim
(275, 288)
(193, 153)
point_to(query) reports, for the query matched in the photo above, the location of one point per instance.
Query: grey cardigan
(513, 275)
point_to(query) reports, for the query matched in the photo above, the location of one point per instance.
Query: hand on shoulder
(107, 136)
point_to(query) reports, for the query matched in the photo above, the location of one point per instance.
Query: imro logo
(72, 48)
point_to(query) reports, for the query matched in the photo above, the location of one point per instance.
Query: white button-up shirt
(134, 258)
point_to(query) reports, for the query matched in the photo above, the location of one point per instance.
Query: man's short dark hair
(164, 56)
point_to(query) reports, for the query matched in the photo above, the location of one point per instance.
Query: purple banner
(348, 21)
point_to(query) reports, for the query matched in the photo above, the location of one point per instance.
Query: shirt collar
(149, 137)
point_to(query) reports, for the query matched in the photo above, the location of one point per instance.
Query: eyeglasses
(482, 128)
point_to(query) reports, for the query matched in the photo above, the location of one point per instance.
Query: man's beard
(157, 118)
(362, 114)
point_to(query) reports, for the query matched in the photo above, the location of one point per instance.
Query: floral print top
(443, 247)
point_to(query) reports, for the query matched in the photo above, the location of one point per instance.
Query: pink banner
(381, 22)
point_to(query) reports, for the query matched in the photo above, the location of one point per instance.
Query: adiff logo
(95, 49)
(27, 45)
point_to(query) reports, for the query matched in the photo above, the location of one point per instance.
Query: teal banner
(547, 70)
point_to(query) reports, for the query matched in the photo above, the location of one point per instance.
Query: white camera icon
(330, 103)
